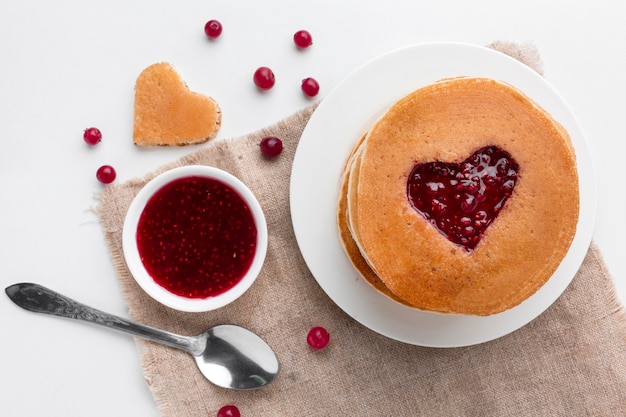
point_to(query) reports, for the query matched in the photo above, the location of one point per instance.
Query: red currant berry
(213, 29)
(106, 174)
(264, 78)
(303, 39)
(92, 135)
(271, 146)
(310, 87)
(318, 338)
(228, 411)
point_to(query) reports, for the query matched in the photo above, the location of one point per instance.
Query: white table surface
(67, 65)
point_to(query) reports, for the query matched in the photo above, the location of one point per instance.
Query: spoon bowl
(229, 356)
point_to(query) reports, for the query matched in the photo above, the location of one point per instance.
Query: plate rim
(572, 261)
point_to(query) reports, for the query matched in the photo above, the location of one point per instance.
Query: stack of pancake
(403, 254)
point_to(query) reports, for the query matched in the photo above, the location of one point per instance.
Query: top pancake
(522, 248)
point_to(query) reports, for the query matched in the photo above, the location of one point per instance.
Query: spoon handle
(39, 299)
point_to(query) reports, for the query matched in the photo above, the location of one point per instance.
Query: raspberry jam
(462, 200)
(196, 237)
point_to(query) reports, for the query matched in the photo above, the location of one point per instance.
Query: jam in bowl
(195, 238)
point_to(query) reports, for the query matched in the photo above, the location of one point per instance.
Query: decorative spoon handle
(39, 299)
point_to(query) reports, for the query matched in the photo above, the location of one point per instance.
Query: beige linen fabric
(570, 361)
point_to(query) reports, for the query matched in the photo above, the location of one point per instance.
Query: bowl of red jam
(195, 238)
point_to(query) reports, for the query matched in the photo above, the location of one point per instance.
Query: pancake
(167, 113)
(400, 251)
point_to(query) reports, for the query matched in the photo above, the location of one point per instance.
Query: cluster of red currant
(264, 78)
(106, 173)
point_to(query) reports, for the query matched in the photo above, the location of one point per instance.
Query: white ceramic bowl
(137, 268)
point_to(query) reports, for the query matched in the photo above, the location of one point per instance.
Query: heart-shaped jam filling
(462, 199)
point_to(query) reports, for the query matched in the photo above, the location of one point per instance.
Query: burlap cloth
(570, 361)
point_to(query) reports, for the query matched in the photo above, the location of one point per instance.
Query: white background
(67, 65)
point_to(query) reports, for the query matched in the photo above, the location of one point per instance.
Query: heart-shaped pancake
(168, 113)
(462, 200)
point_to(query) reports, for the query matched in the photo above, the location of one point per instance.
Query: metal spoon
(229, 356)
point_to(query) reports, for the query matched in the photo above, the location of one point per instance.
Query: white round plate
(335, 126)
